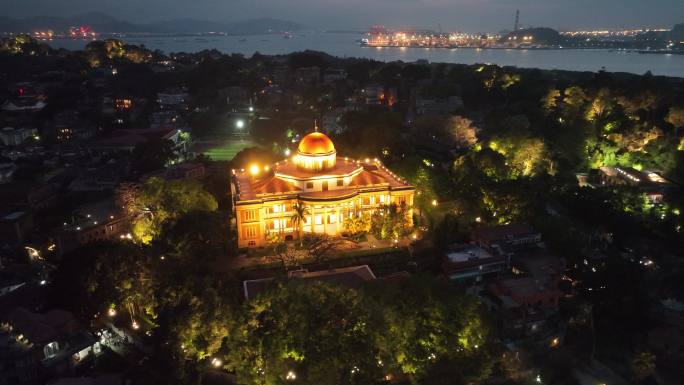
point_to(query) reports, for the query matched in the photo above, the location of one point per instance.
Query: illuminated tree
(280, 252)
(390, 221)
(528, 156)
(314, 332)
(462, 131)
(676, 117)
(357, 224)
(159, 201)
(550, 100)
(429, 324)
(600, 107)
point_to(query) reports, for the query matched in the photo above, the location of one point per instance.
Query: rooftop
(369, 173)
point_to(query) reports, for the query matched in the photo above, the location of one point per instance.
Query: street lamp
(111, 312)
(135, 325)
(291, 376)
(240, 124)
(216, 362)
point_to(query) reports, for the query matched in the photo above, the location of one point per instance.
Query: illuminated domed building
(332, 189)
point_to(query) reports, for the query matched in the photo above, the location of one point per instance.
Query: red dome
(316, 143)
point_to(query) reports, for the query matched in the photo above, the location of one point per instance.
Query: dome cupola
(316, 152)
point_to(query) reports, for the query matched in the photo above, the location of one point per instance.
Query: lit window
(340, 183)
(318, 220)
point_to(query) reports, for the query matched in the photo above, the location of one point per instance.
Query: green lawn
(227, 150)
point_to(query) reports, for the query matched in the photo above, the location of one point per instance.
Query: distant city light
(43, 282)
(287, 152)
(135, 325)
(111, 312)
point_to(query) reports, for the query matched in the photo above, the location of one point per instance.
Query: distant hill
(103, 23)
(678, 31)
(542, 35)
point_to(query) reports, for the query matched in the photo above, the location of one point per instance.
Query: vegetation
(319, 332)
(160, 203)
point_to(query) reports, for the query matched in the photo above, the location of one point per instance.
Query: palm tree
(298, 218)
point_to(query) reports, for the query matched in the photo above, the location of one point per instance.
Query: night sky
(465, 15)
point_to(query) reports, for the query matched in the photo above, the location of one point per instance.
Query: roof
(41, 328)
(352, 277)
(469, 257)
(523, 289)
(316, 143)
(364, 175)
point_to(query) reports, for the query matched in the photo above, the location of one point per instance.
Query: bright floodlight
(254, 169)
(240, 124)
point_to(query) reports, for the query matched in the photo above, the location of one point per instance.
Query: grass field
(222, 150)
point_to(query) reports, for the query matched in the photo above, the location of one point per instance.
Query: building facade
(331, 188)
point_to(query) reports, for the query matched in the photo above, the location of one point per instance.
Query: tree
(676, 117)
(152, 155)
(279, 251)
(643, 365)
(315, 332)
(300, 212)
(550, 100)
(462, 130)
(199, 234)
(429, 325)
(106, 274)
(159, 201)
(319, 246)
(357, 225)
(390, 221)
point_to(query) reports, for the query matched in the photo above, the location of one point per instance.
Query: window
(250, 231)
(251, 243)
(309, 184)
(51, 349)
(332, 219)
(249, 215)
(318, 220)
(340, 183)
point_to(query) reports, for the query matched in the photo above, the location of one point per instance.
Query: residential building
(467, 264)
